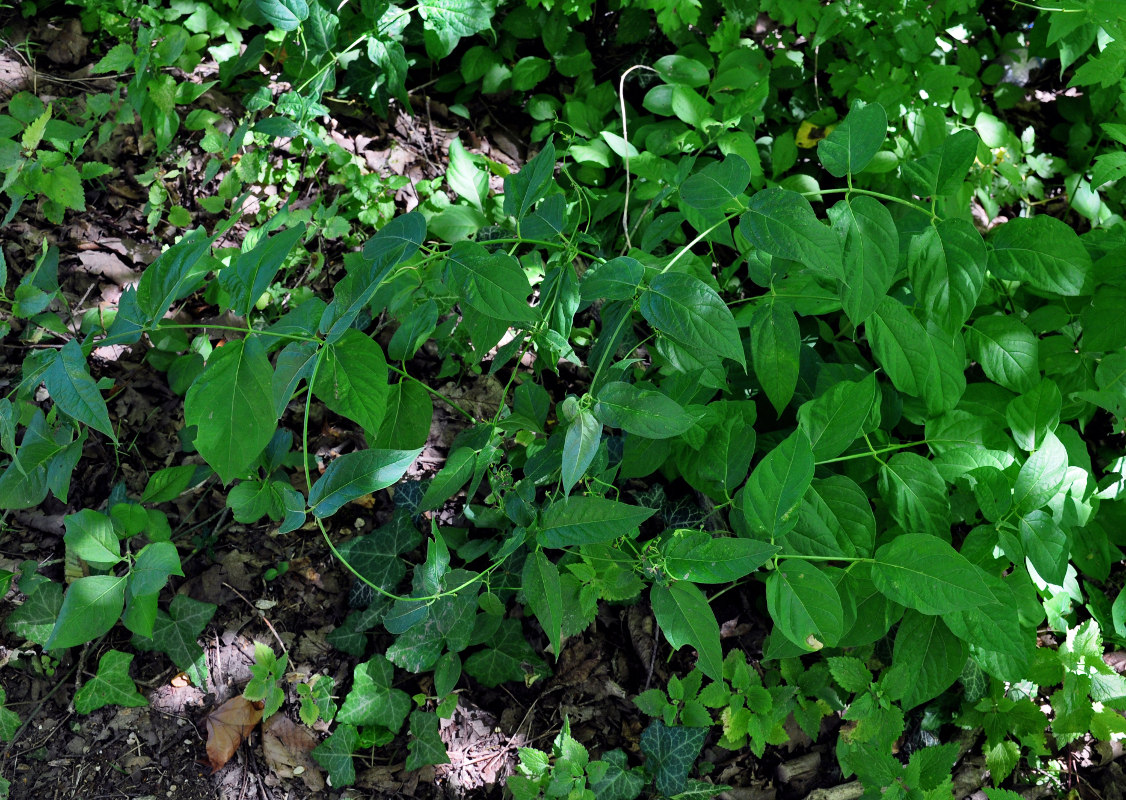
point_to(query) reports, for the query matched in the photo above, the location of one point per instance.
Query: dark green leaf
(683, 613)
(922, 362)
(335, 755)
(943, 170)
(586, 520)
(526, 187)
(717, 185)
(925, 573)
(1046, 545)
(580, 446)
(699, 557)
(804, 605)
(835, 519)
(355, 474)
(372, 699)
(1041, 475)
(870, 245)
(173, 275)
(671, 752)
(90, 608)
(168, 483)
(425, 746)
(352, 380)
(252, 272)
(540, 580)
(286, 15)
(231, 403)
(643, 412)
(492, 283)
(947, 264)
(836, 418)
(455, 473)
(175, 633)
(773, 493)
(776, 351)
(855, 141)
(916, 494)
(1043, 252)
(690, 312)
(406, 423)
(927, 658)
(69, 383)
(681, 69)
(1008, 352)
(616, 279)
(781, 223)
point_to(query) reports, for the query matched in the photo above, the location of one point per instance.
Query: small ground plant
(794, 368)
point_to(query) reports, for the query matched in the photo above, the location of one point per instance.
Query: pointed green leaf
(352, 379)
(773, 493)
(524, 189)
(76, 394)
(699, 557)
(335, 755)
(776, 351)
(353, 475)
(252, 272)
(835, 419)
(855, 141)
(231, 404)
(947, 265)
(425, 746)
(406, 423)
(1041, 475)
(587, 520)
(580, 445)
(683, 613)
(542, 588)
(90, 536)
(91, 606)
(916, 494)
(925, 573)
(870, 246)
(717, 185)
(927, 658)
(690, 312)
(943, 170)
(110, 686)
(642, 412)
(1045, 253)
(835, 519)
(781, 223)
(285, 15)
(491, 283)
(175, 633)
(174, 274)
(1007, 350)
(804, 605)
(1034, 414)
(672, 751)
(924, 362)
(372, 699)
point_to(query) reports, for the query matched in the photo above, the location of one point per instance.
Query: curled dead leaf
(287, 747)
(227, 726)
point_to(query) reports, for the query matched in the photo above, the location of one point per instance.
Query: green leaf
(252, 272)
(415, 329)
(1001, 758)
(855, 141)
(447, 21)
(491, 283)
(835, 519)
(174, 275)
(835, 419)
(925, 573)
(1044, 252)
(774, 491)
(683, 70)
(464, 177)
(155, 563)
(335, 755)
(504, 658)
(286, 15)
(926, 660)
(588, 520)
(698, 557)
(916, 494)
(63, 185)
(168, 483)
(35, 618)
(1046, 545)
(923, 362)
(870, 248)
(804, 605)
(540, 580)
(776, 350)
(231, 403)
(455, 473)
(355, 474)
(175, 633)
(110, 686)
(642, 412)
(947, 265)
(352, 379)
(406, 423)
(1034, 414)
(670, 754)
(943, 170)
(683, 613)
(525, 188)
(619, 782)
(781, 223)
(1008, 352)
(690, 312)
(425, 745)
(717, 185)
(372, 699)
(1041, 475)
(616, 279)
(76, 394)
(90, 608)
(580, 445)
(118, 59)
(90, 536)
(850, 673)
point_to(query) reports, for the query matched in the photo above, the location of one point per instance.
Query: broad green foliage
(892, 413)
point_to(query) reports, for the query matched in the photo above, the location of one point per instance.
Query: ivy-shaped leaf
(670, 754)
(425, 745)
(110, 686)
(372, 699)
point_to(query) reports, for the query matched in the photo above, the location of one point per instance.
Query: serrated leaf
(683, 613)
(231, 405)
(110, 686)
(354, 475)
(850, 673)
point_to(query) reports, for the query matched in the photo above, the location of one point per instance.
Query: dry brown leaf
(287, 746)
(227, 727)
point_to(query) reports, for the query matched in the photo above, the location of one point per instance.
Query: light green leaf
(804, 605)
(776, 350)
(353, 475)
(231, 404)
(110, 686)
(492, 283)
(925, 573)
(464, 177)
(580, 445)
(1034, 414)
(175, 633)
(1046, 545)
(690, 312)
(1008, 351)
(616, 279)
(352, 379)
(587, 520)
(855, 141)
(927, 658)
(35, 618)
(870, 247)
(943, 170)
(781, 223)
(1045, 253)
(540, 580)
(1041, 475)
(773, 493)
(76, 394)
(717, 185)
(699, 557)
(683, 613)
(850, 673)
(681, 69)
(90, 608)
(642, 412)
(455, 473)
(90, 536)
(372, 699)
(916, 494)
(835, 419)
